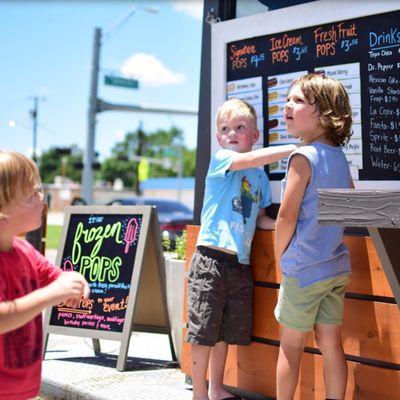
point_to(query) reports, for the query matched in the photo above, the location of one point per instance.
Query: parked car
(173, 216)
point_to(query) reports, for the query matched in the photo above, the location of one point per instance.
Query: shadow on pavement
(132, 364)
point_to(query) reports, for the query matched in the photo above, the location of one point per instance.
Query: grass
(53, 234)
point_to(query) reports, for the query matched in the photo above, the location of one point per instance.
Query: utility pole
(87, 176)
(139, 153)
(97, 105)
(34, 115)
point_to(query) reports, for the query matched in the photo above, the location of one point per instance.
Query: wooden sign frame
(375, 209)
(147, 306)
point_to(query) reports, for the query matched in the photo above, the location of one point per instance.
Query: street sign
(170, 152)
(120, 81)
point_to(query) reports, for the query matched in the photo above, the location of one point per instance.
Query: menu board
(103, 249)
(363, 53)
(118, 250)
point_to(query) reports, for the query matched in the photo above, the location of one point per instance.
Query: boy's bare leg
(217, 368)
(288, 367)
(329, 340)
(199, 356)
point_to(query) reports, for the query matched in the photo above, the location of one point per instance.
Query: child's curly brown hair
(332, 102)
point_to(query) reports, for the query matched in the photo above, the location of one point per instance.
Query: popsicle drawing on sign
(130, 233)
(67, 265)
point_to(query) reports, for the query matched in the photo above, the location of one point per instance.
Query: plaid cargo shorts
(220, 295)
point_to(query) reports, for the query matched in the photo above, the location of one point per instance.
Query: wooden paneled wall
(371, 329)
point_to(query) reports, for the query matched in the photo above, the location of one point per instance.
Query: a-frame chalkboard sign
(118, 250)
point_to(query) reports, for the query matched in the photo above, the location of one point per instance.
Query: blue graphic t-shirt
(232, 201)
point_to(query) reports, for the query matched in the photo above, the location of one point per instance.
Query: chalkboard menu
(363, 53)
(103, 249)
(118, 251)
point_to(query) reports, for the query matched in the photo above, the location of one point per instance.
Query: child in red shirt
(28, 282)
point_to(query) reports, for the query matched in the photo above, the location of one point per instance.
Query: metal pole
(180, 171)
(106, 106)
(87, 176)
(34, 114)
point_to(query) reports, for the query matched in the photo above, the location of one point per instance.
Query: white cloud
(44, 91)
(120, 134)
(151, 71)
(192, 7)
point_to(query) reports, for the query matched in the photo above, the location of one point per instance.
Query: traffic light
(78, 165)
(95, 165)
(62, 151)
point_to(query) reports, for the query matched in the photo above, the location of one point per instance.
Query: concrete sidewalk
(72, 371)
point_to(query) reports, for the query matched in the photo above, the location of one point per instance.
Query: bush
(180, 245)
(166, 241)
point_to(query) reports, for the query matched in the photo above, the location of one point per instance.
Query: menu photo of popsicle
(278, 167)
(281, 136)
(275, 124)
(277, 90)
(247, 85)
(278, 85)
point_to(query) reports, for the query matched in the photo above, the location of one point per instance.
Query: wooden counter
(371, 329)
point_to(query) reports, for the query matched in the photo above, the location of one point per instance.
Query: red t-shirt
(22, 271)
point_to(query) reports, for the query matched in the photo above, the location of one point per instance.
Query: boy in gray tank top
(314, 261)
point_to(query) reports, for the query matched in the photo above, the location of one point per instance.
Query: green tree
(160, 144)
(63, 162)
(189, 162)
(113, 168)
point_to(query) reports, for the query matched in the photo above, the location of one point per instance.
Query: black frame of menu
(298, 23)
(118, 250)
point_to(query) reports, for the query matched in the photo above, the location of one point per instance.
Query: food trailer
(256, 58)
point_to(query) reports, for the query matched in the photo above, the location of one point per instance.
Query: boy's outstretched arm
(264, 221)
(259, 157)
(68, 286)
(297, 179)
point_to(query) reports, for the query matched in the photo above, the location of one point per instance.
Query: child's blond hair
(237, 108)
(332, 102)
(18, 174)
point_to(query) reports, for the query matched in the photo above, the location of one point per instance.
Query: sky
(47, 49)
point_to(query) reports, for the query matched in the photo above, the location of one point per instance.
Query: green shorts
(320, 303)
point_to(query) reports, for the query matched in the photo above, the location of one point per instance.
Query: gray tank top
(317, 252)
